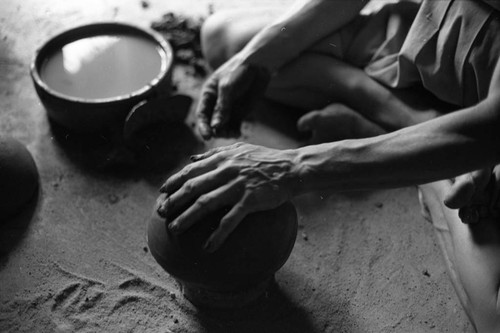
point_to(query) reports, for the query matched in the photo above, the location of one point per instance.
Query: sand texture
(76, 260)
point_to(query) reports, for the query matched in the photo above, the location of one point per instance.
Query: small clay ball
(18, 177)
(256, 249)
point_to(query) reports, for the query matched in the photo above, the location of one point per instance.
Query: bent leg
(315, 80)
(472, 256)
(225, 33)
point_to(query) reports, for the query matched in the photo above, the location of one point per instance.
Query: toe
(307, 121)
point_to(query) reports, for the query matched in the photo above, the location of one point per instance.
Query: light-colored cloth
(450, 47)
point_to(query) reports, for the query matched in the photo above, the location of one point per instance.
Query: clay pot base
(204, 298)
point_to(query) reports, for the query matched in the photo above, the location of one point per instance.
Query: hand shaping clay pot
(240, 270)
(18, 177)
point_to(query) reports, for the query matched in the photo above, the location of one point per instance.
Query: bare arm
(442, 148)
(251, 178)
(445, 147)
(244, 77)
(299, 29)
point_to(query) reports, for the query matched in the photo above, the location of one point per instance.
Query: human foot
(337, 122)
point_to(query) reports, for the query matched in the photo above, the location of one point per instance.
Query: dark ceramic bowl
(90, 115)
(240, 270)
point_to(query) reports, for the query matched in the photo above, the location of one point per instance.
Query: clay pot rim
(98, 29)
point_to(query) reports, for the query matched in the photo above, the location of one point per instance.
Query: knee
(216, 42)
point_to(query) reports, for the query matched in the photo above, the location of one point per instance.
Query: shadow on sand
(277, 312)
(273, 312)
(154, 151)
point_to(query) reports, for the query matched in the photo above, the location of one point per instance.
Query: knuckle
(204, 202)
(225, 227)
(189, 187)
(185, 172)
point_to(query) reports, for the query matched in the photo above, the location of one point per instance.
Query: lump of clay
(237, 272)
(18, 177)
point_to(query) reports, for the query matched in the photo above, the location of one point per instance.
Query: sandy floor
(77, 261)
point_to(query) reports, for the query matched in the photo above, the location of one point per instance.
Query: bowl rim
(98, 29)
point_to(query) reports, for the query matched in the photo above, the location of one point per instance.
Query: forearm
(298, 29)
(441, 148)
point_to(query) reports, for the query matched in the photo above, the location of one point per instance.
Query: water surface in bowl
(104, 66)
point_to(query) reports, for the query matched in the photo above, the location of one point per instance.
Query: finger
(204, 111)
(460, 193)
(191, 190)
(227, 225)
(467, 189)
(222, 106)
(205, 204)
(235, 88)
(174, 182)
(161, 201)
(481, 179)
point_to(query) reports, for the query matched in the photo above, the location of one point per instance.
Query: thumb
(467, 188)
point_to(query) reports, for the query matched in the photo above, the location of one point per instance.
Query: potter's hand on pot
(242, 177)
(227, 95)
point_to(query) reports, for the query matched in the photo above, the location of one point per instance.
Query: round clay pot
(240, 270)
(18, 177)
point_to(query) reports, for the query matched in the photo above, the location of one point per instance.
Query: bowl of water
(90, 77)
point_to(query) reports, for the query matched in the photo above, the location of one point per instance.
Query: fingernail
(163, 188)
(174, 227)
(195, 158)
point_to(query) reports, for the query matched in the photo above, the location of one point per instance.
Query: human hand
(476, 194)
(242, 177)
(227, 95)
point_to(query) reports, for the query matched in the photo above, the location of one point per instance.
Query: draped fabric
(450, 47)
(493, 3)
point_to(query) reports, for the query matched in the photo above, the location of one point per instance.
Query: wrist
(334, 166)
(270, 49)
(301, 174)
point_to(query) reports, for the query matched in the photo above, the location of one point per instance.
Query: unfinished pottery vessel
(18, 177)
(240, 270)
